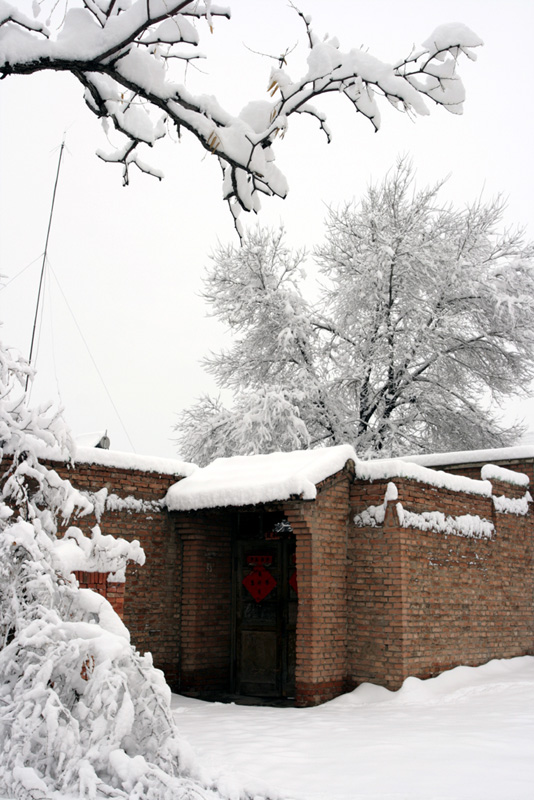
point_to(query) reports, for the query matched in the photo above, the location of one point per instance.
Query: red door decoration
(259, 582)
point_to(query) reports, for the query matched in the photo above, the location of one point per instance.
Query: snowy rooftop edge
(489, 456)
(386, 469)
(247, 480)
(121, 460)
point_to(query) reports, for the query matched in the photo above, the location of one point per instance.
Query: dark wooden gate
(265, 607)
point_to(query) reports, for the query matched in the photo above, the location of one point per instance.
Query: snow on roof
(122, 460)
(516, 453)
(92, 439)
(387, 469)
(247, 480)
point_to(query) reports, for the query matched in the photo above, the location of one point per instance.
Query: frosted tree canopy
(422, 328)
(125, 54)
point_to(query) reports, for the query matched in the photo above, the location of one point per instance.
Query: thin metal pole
(44, 258)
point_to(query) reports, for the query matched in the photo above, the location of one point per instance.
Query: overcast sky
(127, 262)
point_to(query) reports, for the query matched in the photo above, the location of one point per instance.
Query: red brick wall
(205, 633)
(421, 601)
(321, 546)
(113, 591)
(152, 592)
(375, 595)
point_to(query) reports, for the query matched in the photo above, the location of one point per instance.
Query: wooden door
(265, 601)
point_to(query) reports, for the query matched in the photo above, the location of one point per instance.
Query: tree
(126, 54)
(81, 712)
(424, 327)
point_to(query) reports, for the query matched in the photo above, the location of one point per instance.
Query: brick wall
(376, 611)
(152, 592)
(321, 546)
(205, 631)
(421, 601)
(113, 591)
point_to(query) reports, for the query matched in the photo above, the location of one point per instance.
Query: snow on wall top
(122, 460)
(385, 469)
(517, 453)
(247, 480)
(490, 471)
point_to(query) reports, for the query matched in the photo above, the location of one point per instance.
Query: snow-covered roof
(516, 453)
(247, 480)
(122, 460)
(93, 439)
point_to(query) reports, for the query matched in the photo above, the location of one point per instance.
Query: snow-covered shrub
(80, 710)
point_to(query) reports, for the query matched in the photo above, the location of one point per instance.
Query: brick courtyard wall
(421, 602)
(376, 611)
(205, 631)
(113, 591)
(151, 608)
(473, 470)
(320, 529)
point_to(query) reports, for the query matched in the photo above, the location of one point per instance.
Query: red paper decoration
(259, 582)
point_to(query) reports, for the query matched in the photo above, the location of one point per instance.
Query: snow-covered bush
(80, 710)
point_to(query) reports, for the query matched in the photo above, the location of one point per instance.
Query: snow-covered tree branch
(424, 327)
(82, 714)
(125, 54)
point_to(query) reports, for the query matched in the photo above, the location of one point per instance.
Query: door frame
(285, 545)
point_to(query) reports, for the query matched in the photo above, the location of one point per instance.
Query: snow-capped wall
(122, 460)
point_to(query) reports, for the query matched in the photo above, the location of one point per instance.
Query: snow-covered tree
(127, 54)
(254, 290)
(81, 712)
(424, 327)
(260, 422)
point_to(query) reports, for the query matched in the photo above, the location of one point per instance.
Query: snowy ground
(466, 735)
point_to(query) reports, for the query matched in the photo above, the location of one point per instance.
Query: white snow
(89, 439)
(490, 471)
(465, 735)
(517, 453)
(375, 515)
(385, 469)
(513, 505)
(245, 480)
(100, 553)
(468, 525)
(122, 460)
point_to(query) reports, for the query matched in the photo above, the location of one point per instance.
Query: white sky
(130, 260)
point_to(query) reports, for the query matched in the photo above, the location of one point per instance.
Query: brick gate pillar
(321, 661)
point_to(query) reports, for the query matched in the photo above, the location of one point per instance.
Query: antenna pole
(44, 259)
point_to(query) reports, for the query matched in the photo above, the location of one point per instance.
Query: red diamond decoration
(259, 583)
(293, 582)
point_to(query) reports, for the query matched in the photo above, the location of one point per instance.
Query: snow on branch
(120, 53)
(99, 553)
(82, 713)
